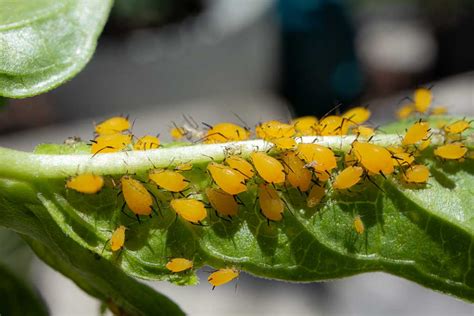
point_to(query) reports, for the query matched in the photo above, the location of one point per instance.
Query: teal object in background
(318, 62)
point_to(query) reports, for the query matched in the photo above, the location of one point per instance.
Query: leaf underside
(43, 43)
(422, 233)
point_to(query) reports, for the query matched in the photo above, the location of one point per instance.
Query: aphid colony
(310, 168)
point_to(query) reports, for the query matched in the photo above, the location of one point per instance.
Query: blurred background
(262, 59)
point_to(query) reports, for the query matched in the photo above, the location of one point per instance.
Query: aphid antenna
(239, 200)
(157, 205)
(374, 183)
(241, 121)
(98, 152)
(336, 107)
(223, 218)
(405, 98)
(207, 125)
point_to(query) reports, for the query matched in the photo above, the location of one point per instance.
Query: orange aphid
(226, 132)
(422, 99)
(416, 133)
(118, 238)
(136, 196)
(457, 127)
(439, 110)
(374, 158)
(405, 111)
(177, 133)
(417, 174)
(222, 202)
(451, 151)
(402, 159)
(334, 125)
(271, 205)
(184, 166)
(241, 165)
(168, 180)
(359, 225)
(228, 179)
(285, 143)
(364, 131)
(87, 183)
(274, 129)
(179, 265)
(320, 158)
(269, 168)
(347, 178)
(191, 210)
(147, 142)
(357, 115)
(110, 143)
(306, 126)
(113, 125)
(222, 276)
(296, 174)
(315, 195)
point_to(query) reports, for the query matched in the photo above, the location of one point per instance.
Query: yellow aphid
(349, 159)
(228, 179)
(191, 210)
(271, 205)
(424, 144)
(347, 178)
(241, 165)
(285, 143)
(439, 110)
(457, 127)
(110, 143)
(184, 166)
(315, 195)
(320, 158)
(451, 151)
(147, 142)
(136, 196)
(274, 129)
(169, 180)
(118, 238)
(87, 183)
(359, 225)
(416, 133)
(334, 125)
(222, 276)
(357, 115)
(405, 111)
(417, 174)
(177, 133)
(296, 174)
(422, 98)
(226, 132)
(222, 202)
(364, 131)
(179, 265)
(269, 168)
(402, 159)
(374, 158)
(306, 126)
(113, 125)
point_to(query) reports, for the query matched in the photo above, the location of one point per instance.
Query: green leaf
(43, 43)
(17, 298)
(424, 233)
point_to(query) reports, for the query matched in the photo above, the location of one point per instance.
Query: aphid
(184, 166)
(113, 125)
(177, 133)
(274, 129)
(222, 202)
(320, 158)
(349, 159)
(422, 99)
(271, 205)
(359, 225)
(457, 127)
(357, 115)
(228, 179)
(118, 238)
(179, 265)
(334, 125)
(110, 143)
(169, 180)
(147, 142)
(87, 183)
(417, 174)
(315, 195)
(226, 132)
(364, 131)
(402, 159)
(424, 144)
(347, 178)
(285, 143)
(222, 276)
(136, 196)
(191, 210)
(306, 126)
(241, 165)
(417, 132)
(296, 174)
(405, 111)
(451, 151)
(269, 168)
(374, 158)
(439, 110)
